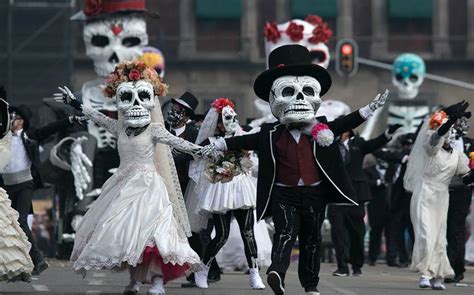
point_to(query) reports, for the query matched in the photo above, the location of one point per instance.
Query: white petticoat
(132, 212)
(207, 198)
(15, 261)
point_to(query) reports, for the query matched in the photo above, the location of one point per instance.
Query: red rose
(134, 75)
(92, 7)
(271, 32)
(295, 32)
(321, 33)
(314, 19)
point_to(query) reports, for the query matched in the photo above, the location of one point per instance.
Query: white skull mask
(295, 99)
(110, 41)
(135, 101)
(229, 120)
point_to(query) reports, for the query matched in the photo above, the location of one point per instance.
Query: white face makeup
(111, 41)
(135, 101)
(295, 99)
(229, 120)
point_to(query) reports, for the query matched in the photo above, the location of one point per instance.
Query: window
(410, 26)
(218, 25)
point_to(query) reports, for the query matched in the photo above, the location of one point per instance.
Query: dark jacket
(380, 193)
(358, 148)
(32, 138)
(181, 160)
(336, 182)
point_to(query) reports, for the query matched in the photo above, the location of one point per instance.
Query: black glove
(77, 119)
(469, 178)
(456, 111)
(393, 128)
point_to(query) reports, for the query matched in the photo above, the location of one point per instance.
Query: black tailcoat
(181, 160)
(336, 182)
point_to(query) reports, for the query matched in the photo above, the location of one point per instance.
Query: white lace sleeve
(161, 135)
(432, 142)
(5, 151)
(100, 119)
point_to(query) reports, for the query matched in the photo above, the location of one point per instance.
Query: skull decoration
(113, 40)
(229, 120)
(135, 102)
(408, 73)
(462, 127)
(295, 99)
(312, 33)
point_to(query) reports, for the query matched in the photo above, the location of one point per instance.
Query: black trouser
(20, 195)
(296, 213)
(347, 232)
(378, 213)
(459, 203)
(246, 221)
(400, 223)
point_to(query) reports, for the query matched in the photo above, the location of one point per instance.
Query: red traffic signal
(346, 57)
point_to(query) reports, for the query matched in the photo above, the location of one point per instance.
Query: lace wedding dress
(132, 222)
(15, 261)
(429, 206)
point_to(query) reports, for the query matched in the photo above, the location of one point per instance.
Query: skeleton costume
(139, 220)
(223, 200)
(298, 174)
(15, 261)
(433, 163)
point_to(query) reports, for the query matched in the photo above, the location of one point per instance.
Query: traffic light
(346, 57)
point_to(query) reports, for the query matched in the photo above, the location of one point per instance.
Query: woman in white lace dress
(139, 221)
(433, 163)
(15, 261)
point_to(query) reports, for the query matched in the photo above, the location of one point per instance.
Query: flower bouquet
(228, 166)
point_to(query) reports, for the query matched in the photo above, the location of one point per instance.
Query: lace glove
(210, 151)
(79, 161)
(375, 104)
(78, 119)
(68, 98)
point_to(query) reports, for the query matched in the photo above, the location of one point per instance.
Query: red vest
(295, 161)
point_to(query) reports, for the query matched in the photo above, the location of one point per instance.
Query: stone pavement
(59, 279)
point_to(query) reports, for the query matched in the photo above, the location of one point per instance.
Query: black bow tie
(135, 130)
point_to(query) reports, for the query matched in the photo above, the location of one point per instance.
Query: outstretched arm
(97, 117)
(354, 119)
(161, 135)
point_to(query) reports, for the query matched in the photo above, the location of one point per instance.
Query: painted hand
(67, 97)
(379, 101)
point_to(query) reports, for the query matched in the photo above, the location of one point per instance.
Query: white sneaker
(424, 282)
(437, 284)
(200, 277)
(132, 288)
(157, 288)
(255, 281)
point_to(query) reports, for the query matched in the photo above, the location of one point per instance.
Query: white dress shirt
(180, 130)
(19, 158)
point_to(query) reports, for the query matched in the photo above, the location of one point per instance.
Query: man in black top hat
(300, 165)
(20, 177)
(181, 112)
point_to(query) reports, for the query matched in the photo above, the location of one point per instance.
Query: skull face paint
(176, 114)
(295, 99)
(135, 101)
(408, 73)
(229, 120)
(462, 127)
(110, 41)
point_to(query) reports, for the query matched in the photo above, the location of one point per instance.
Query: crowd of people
(163, 194)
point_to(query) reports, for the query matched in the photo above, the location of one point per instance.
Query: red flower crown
(220, 103)
(321, 33)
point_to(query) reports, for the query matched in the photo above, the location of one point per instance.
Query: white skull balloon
(295, 99)
(229, 120)
(113, 40)
(135, 102)
(408, 73)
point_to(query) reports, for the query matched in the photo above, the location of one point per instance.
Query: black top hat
(24, 112)
(187, 100)
(293, 60)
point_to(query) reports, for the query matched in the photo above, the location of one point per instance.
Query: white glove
(379, 101)
(79, 160)
(209, 151)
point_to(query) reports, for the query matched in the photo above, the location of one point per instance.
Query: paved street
(59, 279)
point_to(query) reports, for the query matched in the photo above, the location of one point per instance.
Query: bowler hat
(24, 112)
(290, 60)
(187, 100)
